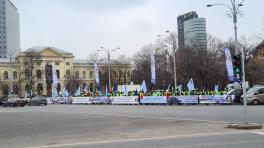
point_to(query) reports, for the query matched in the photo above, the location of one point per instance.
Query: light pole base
(249, 126)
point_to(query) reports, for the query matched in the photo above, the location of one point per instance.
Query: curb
(244, 126)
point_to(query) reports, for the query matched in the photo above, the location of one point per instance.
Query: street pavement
(121, 126)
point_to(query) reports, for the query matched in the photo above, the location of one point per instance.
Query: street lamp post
(234, 9)
(11, 53)
(108, 52)
(174, 49)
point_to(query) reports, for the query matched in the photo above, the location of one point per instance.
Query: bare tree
(30, 57)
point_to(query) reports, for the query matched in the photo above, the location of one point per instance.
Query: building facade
(9, 29)
(258, 54)
(191, 31)
(14, 77)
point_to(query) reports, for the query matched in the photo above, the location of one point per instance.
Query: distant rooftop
(40, 48)
(86, 61)
(7, 60)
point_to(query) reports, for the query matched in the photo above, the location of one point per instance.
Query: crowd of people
(167, 92)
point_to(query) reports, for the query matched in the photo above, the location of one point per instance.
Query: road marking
(141, 139)
(258, 132)
(129, 116)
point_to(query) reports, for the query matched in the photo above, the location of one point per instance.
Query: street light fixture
(108, 52)
(234, 10)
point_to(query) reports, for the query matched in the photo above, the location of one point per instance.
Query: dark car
(38, 101)
(237, 93)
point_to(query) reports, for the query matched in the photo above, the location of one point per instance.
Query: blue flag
(144, 86)
(78, 92)
(190, 85)
(216, 88)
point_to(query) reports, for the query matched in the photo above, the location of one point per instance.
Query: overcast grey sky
(82, 26)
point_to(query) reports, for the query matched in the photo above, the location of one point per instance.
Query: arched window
(128, 74)
(58, 73)
(40, 89)
(26, 74)
(84, 74)
(120, 74)
(115, 74)
(38, 74)
(77, 74)
(5, 90)
(27, 88)
(14, 75)
(5, 75)
(68, 73)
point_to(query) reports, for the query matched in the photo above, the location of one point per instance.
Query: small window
(38, 63)
(68, 63)
(57, 63)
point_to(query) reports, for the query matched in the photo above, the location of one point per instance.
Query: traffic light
(237, 64)
(48, 72)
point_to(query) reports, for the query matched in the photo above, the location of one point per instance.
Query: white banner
(216, 99)
(96, 73)
(153, 69)
(82, 100)
(124, 100)
(187, 99)
(229, 65)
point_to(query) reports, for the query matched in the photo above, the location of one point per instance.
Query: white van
(255, 95)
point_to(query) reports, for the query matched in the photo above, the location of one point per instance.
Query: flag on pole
(216, 88)
(115, 89)
(65, 93)
(54, 91)
(106, 89)
(86, 89)
(125, 91)
(153, 69)
(190, 85)
(144, 86)
(78, 92)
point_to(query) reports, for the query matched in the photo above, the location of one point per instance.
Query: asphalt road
(128, 126)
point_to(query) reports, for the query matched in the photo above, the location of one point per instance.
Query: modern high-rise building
(9, 29)
(192, 31)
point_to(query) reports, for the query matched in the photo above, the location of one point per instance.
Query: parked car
(255, 95)
(13, 102)
(38, 101)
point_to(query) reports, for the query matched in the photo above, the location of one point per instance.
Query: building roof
(40, 48)
(7, 60)
(258, 47)
(86, 61)
(12, 4)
